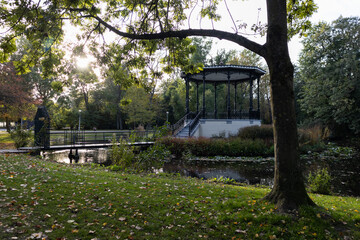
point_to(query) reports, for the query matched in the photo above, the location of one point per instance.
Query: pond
(345, 173)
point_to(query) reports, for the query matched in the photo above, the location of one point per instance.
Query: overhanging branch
(233, 37)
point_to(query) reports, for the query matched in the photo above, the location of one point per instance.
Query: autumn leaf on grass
(240, 231)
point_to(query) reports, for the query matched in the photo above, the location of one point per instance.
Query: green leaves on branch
(7, 46)
(299, 12)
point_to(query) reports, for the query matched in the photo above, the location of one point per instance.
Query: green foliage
(21, 137)
(264, 132)
(152, 158)
(299, 12)
(206, 147)
(121, 154)
(223, 180)
(329, 75)
(320, 181)
(161, 131)
(139, 110)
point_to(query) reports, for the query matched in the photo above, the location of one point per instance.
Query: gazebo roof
(219, 74)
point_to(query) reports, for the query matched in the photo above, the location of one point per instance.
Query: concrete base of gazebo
(222, 127)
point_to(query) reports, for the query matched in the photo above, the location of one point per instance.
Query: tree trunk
(86, 100)
(289, 190)
(119, 124)
(8, 126)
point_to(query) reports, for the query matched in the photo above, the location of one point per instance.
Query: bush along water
(121, 154)
(207, 147)
(124, 158)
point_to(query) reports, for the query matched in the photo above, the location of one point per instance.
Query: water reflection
(250, 173)
(100, 156)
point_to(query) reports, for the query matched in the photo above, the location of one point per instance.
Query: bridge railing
(71, 137)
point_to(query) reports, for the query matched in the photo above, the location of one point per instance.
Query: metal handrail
(193, 124)
(179, 124)
(71, 137)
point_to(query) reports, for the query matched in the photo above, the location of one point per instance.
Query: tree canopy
(330, 74)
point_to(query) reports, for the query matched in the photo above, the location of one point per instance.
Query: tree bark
(289, 191)
(119, 124)
(8, 126)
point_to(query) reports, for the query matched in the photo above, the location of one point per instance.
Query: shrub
(264, 132)
(319, 182)
(121, 154)
(311, 138)
(224, 180)
(311, 135)
(206, 147)
(176, 146)
(21, 137)
(153, 157)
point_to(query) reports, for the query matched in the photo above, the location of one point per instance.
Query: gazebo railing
(234, 115)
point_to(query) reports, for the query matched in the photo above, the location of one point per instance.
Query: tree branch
(233, 37)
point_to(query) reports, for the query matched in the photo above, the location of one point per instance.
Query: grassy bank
(40, 199)
(5, 141)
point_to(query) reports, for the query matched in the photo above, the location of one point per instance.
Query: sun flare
(83, 62)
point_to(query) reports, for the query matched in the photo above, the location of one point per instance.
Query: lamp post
(79, 119)
(167, 116)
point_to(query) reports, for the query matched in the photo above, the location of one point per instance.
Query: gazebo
(195, 124)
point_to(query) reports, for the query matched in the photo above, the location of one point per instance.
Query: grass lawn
(5, 141)
(41, 199)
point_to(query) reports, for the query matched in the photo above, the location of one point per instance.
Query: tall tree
(138, 107)
(15, 97)
(146, 24)
(330, 74)
(203, 48)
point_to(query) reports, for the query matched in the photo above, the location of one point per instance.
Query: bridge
(74, 139)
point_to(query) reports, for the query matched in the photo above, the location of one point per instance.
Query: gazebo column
(228, 98)
(251, 98)
(235, 98)
(197, 96)
(215, 104)
(187, 109)
(258, 94)
(241, 101)
(203, 107)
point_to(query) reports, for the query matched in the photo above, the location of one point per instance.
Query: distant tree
(330, 74)
(83, 80)
(172, 97)
(222, 57)
(137, 106)
(202, 50)
(42, 88)
(15, 97)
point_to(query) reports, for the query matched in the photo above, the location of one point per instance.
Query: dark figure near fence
(42, 128)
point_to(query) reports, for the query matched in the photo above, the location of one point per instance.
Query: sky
(328, 11)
